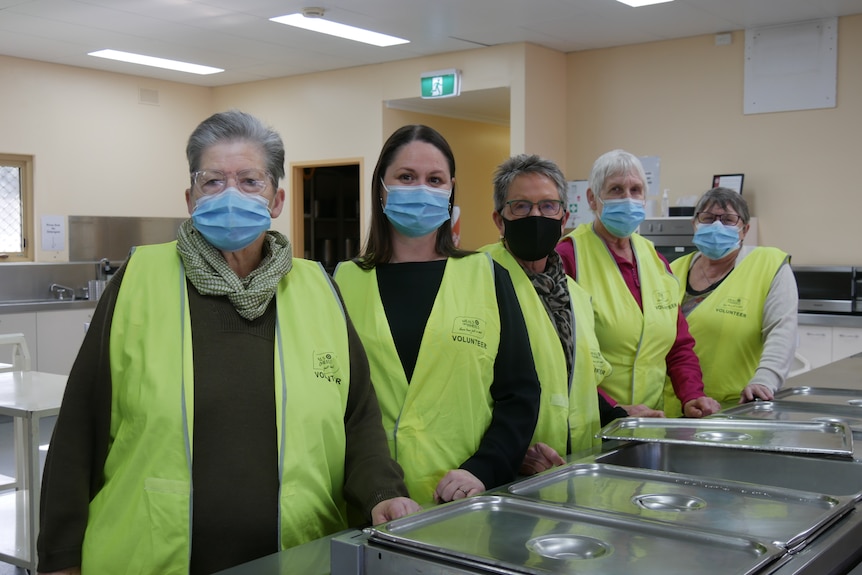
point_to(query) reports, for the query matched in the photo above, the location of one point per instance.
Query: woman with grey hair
(220, 408)
(638, 323)
(740, 303)
(530, 213)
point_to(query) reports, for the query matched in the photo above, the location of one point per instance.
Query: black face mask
(532, 238)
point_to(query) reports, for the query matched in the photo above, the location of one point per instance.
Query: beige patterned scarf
(208, 271)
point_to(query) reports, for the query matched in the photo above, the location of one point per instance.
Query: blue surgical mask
(231, 220)
(716, 240)
(622, 217)
(416, 210)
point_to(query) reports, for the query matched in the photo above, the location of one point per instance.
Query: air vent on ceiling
(148, 96)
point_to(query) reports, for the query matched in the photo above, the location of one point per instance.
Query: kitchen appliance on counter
(827, 289)
(672, 236)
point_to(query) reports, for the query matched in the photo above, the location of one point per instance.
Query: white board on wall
(791, 66)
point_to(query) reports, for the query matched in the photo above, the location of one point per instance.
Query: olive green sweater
(235, 467)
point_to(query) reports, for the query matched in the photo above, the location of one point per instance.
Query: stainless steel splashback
(92, 238)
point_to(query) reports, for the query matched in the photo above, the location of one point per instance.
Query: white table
(27, 396)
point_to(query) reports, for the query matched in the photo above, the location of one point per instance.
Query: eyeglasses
(726, 219)
(547, 208)
(252, 182)
(619, 192)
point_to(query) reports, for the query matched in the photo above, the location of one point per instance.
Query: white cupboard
(59, 337)
(846, 341)
(823, 344)
(20, 323)
(815, 344)
(53, 337)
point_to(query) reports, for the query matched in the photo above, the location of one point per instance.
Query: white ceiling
(237, 35)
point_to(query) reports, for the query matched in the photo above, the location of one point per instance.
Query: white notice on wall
(53, 233)
(652, 169)
(578, 207)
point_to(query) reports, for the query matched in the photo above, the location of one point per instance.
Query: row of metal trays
(597, 517)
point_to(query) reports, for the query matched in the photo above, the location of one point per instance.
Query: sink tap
(104, 268)
(62, 292)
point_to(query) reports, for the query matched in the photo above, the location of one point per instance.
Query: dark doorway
(330, 208)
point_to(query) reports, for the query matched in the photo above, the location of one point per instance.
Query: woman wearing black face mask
(530, 212)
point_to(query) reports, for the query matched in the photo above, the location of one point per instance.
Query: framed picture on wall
(732, 181)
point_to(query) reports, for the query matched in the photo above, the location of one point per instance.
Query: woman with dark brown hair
(446, 340)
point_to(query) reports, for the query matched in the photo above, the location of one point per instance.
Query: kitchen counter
(835, 551)
(31, 305)
(843, 374)
(830, 319)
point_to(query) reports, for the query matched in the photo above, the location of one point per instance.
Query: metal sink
(41, 304)
(818, 474)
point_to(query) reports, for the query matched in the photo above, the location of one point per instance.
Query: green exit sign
(441, 84)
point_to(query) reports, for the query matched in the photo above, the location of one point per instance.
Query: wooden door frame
(297, 187)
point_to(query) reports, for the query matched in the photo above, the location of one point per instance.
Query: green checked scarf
(208, 271)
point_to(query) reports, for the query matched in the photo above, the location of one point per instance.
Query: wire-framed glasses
(547, 208)
(726, 219)
(252, 182)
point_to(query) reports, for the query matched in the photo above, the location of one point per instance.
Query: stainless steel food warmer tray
(811, 437)
(825, 395)
(788, 518)
(795, 411)
(495, 534)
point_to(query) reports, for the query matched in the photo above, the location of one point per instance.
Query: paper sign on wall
(652, 169)
(578, 207)
(53, 233)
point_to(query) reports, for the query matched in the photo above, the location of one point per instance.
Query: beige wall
(101, 152)
(97, 150)
(340, 114)
(682, 101)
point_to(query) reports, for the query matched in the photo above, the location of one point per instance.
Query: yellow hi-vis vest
(437, 421)
(635, 342)
(569, 403)
(141, 518)
(727, 325)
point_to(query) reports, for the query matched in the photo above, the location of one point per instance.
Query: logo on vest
(734, 306)
(663, 300)
(326, 367)
(470, 330)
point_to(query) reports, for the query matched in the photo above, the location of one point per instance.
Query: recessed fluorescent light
(155, 62)
(316, 23)
(639, 3)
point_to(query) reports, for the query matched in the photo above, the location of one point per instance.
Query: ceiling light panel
(639, 3)
(155, 62)
(318, 24)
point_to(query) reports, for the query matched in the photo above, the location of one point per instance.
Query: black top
(407, 291)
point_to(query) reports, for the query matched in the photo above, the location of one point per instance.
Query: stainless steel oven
(827, 289)
(672, 236)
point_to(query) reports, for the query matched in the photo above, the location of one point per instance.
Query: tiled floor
(7, 466)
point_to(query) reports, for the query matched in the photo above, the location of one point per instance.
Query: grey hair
(526, 164)
(615, 163)
(232, 126)
(723, 197)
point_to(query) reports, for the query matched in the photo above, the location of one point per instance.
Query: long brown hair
(378, 247)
